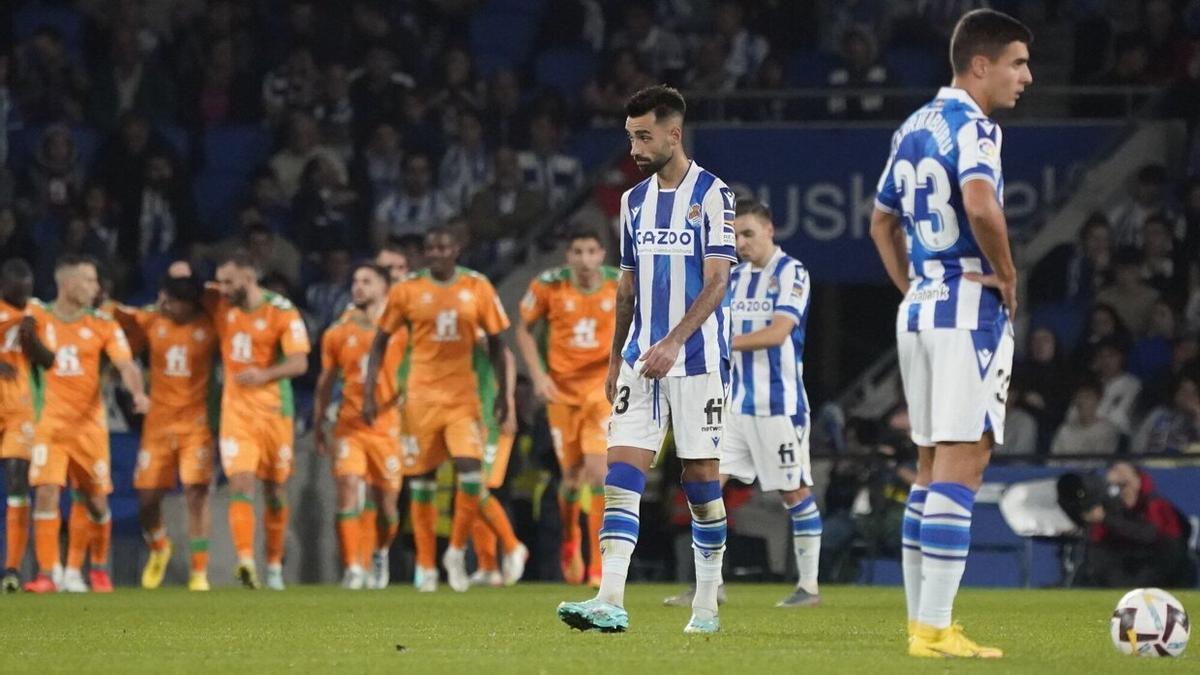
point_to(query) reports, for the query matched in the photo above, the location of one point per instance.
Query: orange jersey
(15, 394)
(346, 346)
(443, 320)
(258, 338)
(181, 360)
(581, 326)
(72, 384)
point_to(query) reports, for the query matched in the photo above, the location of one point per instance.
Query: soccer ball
(1150, 622)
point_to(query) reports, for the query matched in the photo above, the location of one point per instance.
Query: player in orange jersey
(443, 307)
(576, 303)
(19, 351)
(497, 449)
(360, 452)
(177, 443)
(71, 434)
(264, 344)
(392, 258)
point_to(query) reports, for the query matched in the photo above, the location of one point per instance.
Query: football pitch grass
(326, 629)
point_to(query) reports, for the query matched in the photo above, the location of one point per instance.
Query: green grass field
(859, 629)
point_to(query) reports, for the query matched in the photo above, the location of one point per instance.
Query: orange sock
(466, 508)
(241, 526)
(491, 510)
(101, 540)
(368, 532)
(275, 520)
(199, 555)
(595, 519)
(424, 521)
(484, 541)
(349, 538)
(568, 511)
(16, 531)
(79, 534)
(46, 526)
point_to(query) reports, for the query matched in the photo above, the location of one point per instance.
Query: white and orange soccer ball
(1150, 622)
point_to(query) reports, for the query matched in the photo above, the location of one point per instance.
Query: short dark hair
(661, 99)
(1155, 174)
(383, 274)
(394, 244)
(186, 289)
(984, 32)
(16, 269)
(75, 260)
(445, 230)
(750, 206)
(585, 232)
(238, 257)
(1089, 384)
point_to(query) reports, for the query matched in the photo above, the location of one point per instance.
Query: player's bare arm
(661, 356)
(374, 360)
(620, 331)
(543, 386)
(773, 335)
(508, 424)
(991, 232)
(134, 383)
(499, 356)
(321, 398)
(294, 365)
(888, 235)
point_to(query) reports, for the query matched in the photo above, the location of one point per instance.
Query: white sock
(806, 542)
(709, 531)
(619, 532)
(910, 547)
(945, 541)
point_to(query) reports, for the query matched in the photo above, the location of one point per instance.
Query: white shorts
(693, 406)
(773, 449)
(956, 382)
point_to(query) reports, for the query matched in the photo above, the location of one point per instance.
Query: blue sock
(709, 531)
(945, 542)
(623, 487)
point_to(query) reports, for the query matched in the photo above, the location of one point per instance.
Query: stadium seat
(236, 149)
(809, 68)
(215, 193)
(1065, 319)
(178, 138)
(502, 36)
(566, 69)
(916, 66)
(60, 16)
(595, 146)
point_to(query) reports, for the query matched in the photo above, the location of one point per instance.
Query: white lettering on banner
(752, 309)
(666, 242)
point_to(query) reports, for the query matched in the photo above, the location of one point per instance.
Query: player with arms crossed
(939, 227)
(361, 453)
(672, 366)
(71, 434)
(177, 443)
(264, 344)
(20, 351)
(576, 303)
(443, 306)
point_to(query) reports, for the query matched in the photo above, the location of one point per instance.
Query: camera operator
(1135, 537)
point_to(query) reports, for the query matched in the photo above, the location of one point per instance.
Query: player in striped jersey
(939, 226)
(767, 434)
(670, 357)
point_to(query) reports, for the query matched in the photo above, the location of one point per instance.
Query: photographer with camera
(1135, 536)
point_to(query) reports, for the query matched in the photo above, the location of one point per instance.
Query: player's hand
(370, 410)
(1095, 514)
(7, 372)
(322, 442)
(1008, 289)
(658, 360)
(251, 377)
(544, 389)
(179, 269)
(508, 425)
(610, 384)
(27, 329)
(500, 408)
(141, 403)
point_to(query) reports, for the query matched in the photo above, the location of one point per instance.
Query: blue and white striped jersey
(665, 237)
(770, 381)
(937, 150)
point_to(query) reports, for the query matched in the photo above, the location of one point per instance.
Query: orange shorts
(436, 434)
(263, 447)
(579, 430)
(78, 451)
(170, 455)
(495, 460)
(372, 455)
(16, 434)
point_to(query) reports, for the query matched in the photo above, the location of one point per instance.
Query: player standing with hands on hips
(939, 226)
(670, 356)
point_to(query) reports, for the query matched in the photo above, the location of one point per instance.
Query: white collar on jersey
(959, 95)
(770, 263)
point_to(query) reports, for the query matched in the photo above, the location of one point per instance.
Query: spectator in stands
(860, 67)
(379, 90)
(1074, 272)
(458, 90)
(196, 38)
(745, 50)
(74, 238)
(1149, 196)
(377, 170)
(1129, 294)
(51, 86)
(221, 93)
(1020, 425)
(274, 256)
(506, 121)
(708, 75)
(101, 217)
(121, 161)
(324, 210)
(1042, 383)
(303, 145)
(1163, 266)
(329, 297)
(15, 240)
(770, 77)
(54, 181)
(506, 208)
(544, 167)
(1086, 431)
(1173, 427)
(1166, 41)
(334, 111)
(1191, 211)
(467, 164)
(1103, 324)
(604, 97)
(1137, 538)
(162, 222)
(421, 130)
(1119, 389)
(658, 49)
(413, 209)
(292, 86)
(9, 116)
(130, 81)
(1150, 356)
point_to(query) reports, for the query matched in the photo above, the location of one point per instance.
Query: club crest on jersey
(693, 215)
(260, 324)
(606, 305)
(85, 333)
(162, 331)
(198, 335)
(465, 295)
(426, 298)
(773, 286)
